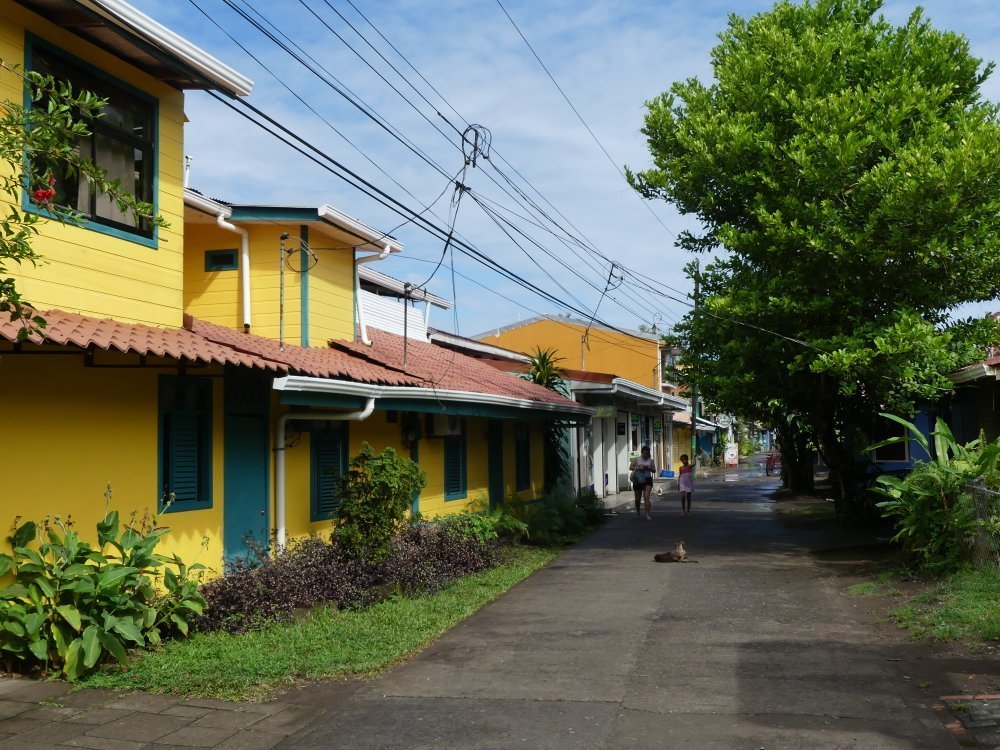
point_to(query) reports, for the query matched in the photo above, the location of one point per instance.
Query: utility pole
(694, 385)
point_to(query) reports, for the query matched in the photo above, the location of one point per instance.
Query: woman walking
(643, 469)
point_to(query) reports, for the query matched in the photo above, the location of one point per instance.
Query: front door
(247, 459)
(494, 440)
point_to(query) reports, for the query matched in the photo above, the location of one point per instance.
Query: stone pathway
(753, 647)
(36, 715)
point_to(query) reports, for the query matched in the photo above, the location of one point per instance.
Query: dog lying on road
(677, 554)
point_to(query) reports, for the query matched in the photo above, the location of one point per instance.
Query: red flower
(52, 180)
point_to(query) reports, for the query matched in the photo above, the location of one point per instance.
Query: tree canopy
(847, 171)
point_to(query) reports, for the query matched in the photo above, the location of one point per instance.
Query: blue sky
(609, 57)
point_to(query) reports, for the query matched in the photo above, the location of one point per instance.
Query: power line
(580, 117)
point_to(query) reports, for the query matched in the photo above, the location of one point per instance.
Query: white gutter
(388, 248)
(121, 14)
(633, 389)
(303, 384)
(975, 372)
(279, 456)
(476, 346)
(222, 213)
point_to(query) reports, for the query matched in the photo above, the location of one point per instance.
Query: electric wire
(468, 249)
(340, 170)
(371, 113)
(580, 117)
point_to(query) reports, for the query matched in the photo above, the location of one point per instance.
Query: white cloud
(608, 56)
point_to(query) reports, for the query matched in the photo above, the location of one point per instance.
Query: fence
(986, 545)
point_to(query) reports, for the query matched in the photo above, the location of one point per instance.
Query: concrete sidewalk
(751, 647)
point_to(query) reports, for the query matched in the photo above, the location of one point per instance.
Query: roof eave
(123, 15)
(303, 384)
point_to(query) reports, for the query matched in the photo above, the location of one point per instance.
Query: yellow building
(633, 355)
(637, 404)
(189, 367)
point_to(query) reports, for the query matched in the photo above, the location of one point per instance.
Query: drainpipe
(279, 457)
(244, 266)
(357, 288)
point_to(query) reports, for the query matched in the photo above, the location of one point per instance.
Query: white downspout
(244, 265)
(279, 455)
(357, 289)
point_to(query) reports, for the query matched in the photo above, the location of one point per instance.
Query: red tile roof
(175, 343)
(437, 367)
(318, 362)
(428, 366)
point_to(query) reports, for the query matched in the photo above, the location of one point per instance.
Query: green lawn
(961, 606)
(326, 644)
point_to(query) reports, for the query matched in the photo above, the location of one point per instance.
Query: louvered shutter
(328, 468)
(454, 467)
(184, 450)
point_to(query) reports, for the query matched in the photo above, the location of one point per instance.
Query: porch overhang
(296, 390)
(972, 373)
(640, 394)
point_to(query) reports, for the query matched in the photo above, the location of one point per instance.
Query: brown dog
(677, 554)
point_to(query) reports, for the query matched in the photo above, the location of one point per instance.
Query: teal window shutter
(522, 458)
(455, 467)
(185, 442)
(329, 465)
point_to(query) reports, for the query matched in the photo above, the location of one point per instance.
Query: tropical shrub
(73, 605)
(376, 493)
(559, 517)
(932, 506)
(308, 572)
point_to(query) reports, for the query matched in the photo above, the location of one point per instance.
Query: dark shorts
(640, 485)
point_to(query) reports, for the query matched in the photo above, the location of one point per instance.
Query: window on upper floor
(121, 142)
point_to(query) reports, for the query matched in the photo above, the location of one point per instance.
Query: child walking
(685, 483)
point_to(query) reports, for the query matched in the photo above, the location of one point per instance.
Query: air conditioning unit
(446, 424)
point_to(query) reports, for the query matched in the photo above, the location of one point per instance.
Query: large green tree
(847, 171)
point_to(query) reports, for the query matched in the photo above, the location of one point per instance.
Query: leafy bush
(420, 558)
(932, 506)
(560, 516)
(73, 606)
(376, 495)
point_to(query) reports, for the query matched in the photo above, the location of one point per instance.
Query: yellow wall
(625, 356)
(681, 444)
(331, 292)
(217, 296)
(380, 434)
(79, 428)
(85, 270)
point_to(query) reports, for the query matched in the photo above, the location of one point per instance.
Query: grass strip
(328, 643)
(963, 606)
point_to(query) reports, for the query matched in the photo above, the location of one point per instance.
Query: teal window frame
(211, 255)
(86, 77)
(184, 445)
(456, 466)
(328, 464)
(522, 457)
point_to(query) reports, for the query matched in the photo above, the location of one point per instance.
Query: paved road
(753, 647)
